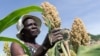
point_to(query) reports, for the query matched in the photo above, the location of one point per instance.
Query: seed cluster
(79, 35)
(7, 48)
(50, 15)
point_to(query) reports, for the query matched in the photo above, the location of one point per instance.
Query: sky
(87, 10)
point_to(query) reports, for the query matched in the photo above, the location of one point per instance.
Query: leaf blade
(13, 17)
(2, 38)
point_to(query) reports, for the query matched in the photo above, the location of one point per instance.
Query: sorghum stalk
(79, 35)
(51, 19)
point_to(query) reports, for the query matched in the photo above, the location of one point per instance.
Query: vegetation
(95, 37)
(11, 19)
(78, 36)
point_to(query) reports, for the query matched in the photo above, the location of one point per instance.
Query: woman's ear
(22, 32)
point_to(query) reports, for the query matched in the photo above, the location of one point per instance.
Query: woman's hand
(52, 37)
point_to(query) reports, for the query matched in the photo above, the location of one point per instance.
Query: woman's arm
(16, 50)
(55, 35)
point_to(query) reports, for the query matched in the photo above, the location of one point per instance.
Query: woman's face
(31, 28)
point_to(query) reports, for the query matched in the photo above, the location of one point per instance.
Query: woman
(28, 30)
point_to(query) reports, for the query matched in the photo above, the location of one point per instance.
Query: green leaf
(54, 51)
(13, 17)
(93, 50)
(2, 38)
(57, 47)
(63, 48)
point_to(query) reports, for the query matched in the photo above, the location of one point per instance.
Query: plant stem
(67, 47)
(63, 49)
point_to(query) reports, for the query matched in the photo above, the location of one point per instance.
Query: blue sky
(87, 10)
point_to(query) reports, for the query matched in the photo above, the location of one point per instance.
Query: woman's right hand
(54, 36)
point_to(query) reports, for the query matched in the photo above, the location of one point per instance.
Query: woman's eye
(35, 24)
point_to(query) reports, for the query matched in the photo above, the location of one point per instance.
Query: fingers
(55, 30)
(56, 39)
(57, 33)
(52, 37)
(56, 36)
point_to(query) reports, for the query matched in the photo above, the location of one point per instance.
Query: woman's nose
(34, 26)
